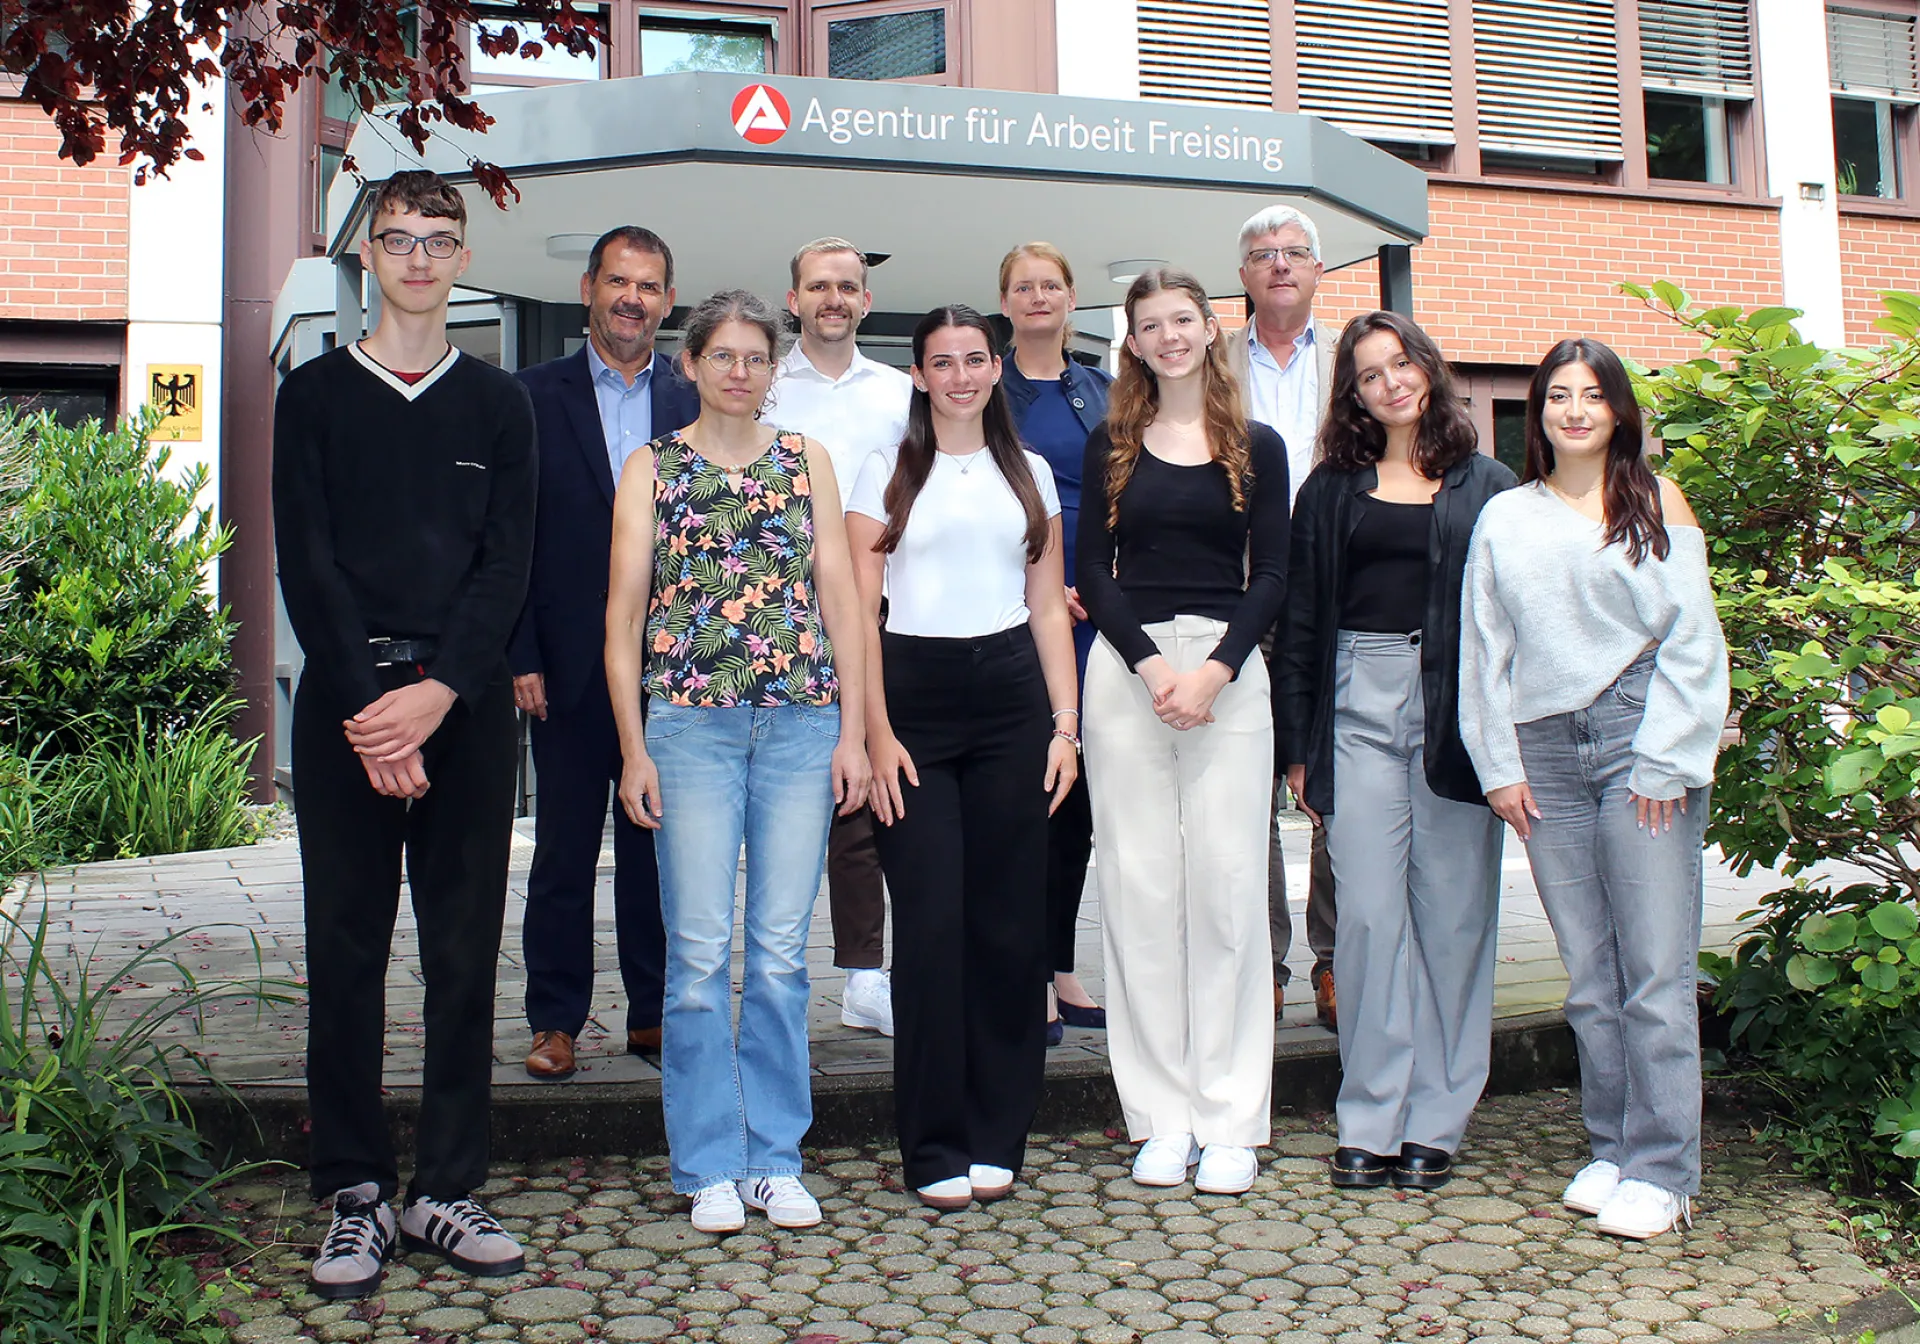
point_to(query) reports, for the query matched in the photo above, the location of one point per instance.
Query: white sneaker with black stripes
(463, 1234)
(353, 1255)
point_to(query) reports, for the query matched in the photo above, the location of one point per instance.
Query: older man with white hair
(1284, 360)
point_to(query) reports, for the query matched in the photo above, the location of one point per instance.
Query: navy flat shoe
(1076, 1015)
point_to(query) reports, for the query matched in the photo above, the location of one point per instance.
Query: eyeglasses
(1262, 257)
(722, 361)
(400, 243)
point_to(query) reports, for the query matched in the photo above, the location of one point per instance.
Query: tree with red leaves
(115, 68)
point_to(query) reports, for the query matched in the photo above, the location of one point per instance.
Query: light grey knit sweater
(1551, 617)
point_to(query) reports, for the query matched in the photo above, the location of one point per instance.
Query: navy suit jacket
(562, 629)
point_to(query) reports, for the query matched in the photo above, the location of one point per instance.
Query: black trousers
(576, 758)
(967, 865)
(1069, 846)
(455, 842)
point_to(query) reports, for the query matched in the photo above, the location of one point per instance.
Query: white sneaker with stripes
(353, 1254)
(463, 1234)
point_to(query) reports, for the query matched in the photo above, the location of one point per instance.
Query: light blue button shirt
(626, 413)
(1287, 400)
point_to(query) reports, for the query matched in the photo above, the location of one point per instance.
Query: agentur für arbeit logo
(760, 114)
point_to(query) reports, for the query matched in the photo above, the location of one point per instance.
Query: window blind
(1872, 55)
(1380, 86)
(1548, 77)
(1697, 46)
(1206, 51)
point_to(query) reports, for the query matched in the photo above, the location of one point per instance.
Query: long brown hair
(1630, 494)
(1136, 400)
(1350, 438)
(915, 463)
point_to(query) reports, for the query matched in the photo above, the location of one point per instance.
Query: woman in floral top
(732, 608)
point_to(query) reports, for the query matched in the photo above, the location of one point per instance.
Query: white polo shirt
(850, 416)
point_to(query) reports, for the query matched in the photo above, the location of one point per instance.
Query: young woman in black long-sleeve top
(1182, 567)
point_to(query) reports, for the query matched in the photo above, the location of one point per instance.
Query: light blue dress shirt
(1288, 400)
(626, 413)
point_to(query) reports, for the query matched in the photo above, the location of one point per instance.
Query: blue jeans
(738, 1106)
(1625, 907)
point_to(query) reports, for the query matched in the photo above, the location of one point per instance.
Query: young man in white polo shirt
(829, 391)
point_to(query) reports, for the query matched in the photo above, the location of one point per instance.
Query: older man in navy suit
(592, 408)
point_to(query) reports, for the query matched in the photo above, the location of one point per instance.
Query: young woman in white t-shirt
(974, 739)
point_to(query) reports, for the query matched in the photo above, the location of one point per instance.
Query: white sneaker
(718, 1209)
(1164, 1160)
(868, 1002)
(463, 1234)
(989, 1183)
(1225, 1170)
(785, 1201)
(1640, 1209)
(353, 1254)
(1592, 1188)
(956, 1192)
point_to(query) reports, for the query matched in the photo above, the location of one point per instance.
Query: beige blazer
(1326, 336)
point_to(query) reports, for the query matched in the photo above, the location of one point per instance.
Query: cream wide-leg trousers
(1180, 841)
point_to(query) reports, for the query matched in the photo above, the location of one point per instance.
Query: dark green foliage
(105, 610)
(100, 1165)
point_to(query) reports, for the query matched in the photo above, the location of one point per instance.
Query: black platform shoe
(1357, 1169)
(1421, 1168)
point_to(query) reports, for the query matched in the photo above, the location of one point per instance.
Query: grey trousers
(1419, 880)
(1625, 907)
(1320, 906)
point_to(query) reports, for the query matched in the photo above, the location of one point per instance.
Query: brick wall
(63, 230)
(1505, 273)
(1875, 255)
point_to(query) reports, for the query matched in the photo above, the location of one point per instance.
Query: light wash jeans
(1625, 907)
(738, 1106)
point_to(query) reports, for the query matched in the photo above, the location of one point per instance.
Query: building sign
(177, 391)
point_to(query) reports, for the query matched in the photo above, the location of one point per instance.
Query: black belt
(390, 652)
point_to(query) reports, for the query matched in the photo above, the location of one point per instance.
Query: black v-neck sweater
(404, 512)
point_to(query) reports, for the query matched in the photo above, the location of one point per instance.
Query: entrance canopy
(737, 171)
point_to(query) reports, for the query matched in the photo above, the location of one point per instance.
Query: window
(1876, 82)
(910, 44)
(71, 393)
(337, 115)
(1206, 51)
(1696, 67)
(1510, 434)
(668, 48)
(512, 69)
(1398, 91)
(1548, 82)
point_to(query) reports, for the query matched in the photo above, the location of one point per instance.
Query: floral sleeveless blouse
(734, 619)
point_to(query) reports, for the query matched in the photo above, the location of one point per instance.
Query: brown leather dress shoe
(551, 1058)
(1324, 1006)
(644, 1041)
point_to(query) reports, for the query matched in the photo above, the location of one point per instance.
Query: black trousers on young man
(967, 866)
(455, 841)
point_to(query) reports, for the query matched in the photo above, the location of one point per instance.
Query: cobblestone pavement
(242, 910)
(1082, 1253)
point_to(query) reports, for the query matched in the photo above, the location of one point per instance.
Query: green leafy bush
(1801, 463)
(101, 1169)
(103, 606)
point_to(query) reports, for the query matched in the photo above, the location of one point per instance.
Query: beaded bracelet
(1066, 736)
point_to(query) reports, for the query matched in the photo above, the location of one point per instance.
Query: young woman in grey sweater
(1593, 687)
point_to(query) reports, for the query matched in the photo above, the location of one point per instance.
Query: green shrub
(1801, 463)
(103, 606)
(170, 792)
(101, 1169)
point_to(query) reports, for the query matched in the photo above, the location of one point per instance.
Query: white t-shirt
(851, 416)
(961, 567)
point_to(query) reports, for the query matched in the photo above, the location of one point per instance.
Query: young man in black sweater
(403, 505)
